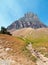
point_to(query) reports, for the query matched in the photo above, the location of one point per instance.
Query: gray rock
(29, 20)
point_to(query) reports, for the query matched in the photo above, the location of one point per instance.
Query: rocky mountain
(29, 20)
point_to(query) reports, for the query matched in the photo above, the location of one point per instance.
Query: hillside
(39, 37)
(30, 32)
(37, 43)
(11, 51)
(28, 20)
(26, 46)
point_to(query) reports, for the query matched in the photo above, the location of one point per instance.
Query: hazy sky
(11, 10)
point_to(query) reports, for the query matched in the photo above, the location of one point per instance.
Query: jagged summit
(29, 14)
(28, 20)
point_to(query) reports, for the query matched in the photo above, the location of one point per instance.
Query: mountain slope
(11, 51)
(31, 32)
(29, 20)
(39, 38)
(27, 46)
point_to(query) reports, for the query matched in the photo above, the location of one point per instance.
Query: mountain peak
(29, 14)
(29, 20)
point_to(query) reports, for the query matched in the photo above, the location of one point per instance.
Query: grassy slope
(17, 45)
(40, 40)
(38, 37)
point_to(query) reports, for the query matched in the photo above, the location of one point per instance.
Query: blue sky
(11, 10)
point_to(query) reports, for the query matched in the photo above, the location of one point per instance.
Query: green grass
(37, 44)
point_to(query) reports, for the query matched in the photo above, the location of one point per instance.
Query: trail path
(41, 60)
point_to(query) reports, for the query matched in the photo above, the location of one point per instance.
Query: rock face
(29, 20)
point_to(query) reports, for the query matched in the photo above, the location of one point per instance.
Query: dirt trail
(41, 60)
